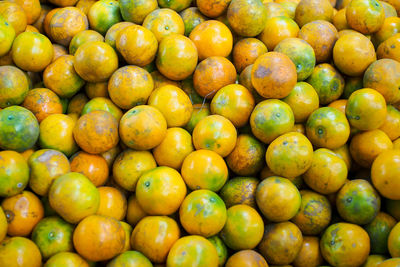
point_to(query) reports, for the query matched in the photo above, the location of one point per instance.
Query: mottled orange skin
(176, 145)
(96, 132)
(321, 35)
(246, 258)
(66, 259)
(246, 51)
(99, 238)
(76, 103)
(154, 244)
(47, 20)
(281, 243)
(58, 51)
(277, 29)
(102, 103)
(390, 27)
(14, 86)
(84, 37)
(389, 9)
(95, 61)
(42, 102)
(14, 14)
(327, 173)
(94, 167)
(134, 212)
(389, 48)
(239, 190)
(99, 89)
(164, 22)
(365, 16)
(142, 127)
(274, 9)
(23, 211)
(212, 38)
(19, 250)
(385, 174)
(56, 133)
(273, 75)
(312, 10)
(113, 203)
(113, 32)
(160, 191)
(212, 74)
(391, 126)
(345, 244)
(45, 166)
(137, 45)
(65, 23)
(310, 253)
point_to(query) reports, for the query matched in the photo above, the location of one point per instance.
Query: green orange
(103, 14)
(14, 86)
(222, 250)
(239, 190)
(378, 230)
(136, 10)
(191, 18)
(19, 251)
(84, 37)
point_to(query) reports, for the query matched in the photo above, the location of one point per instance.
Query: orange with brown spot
(246, 51)
(42, 102)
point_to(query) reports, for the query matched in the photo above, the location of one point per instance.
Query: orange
(327, 127)
(31, 8)
(112, 203)
(274, 9)
(203, 213)
(247, 158)
(245, 80)
(3, 225)
(45, 166)
(110, 155)
(177, 5)
(391, 126)
(104, 14)
(303, 100)
(384, 174)
(327, 173)
(14, 14)
(387, 49)
(34, 46)
(46, 23)
(74, 197)
(239, 190)
(99, 238)
(212, 8)
(161, 80)
(56, 133)
(390, 262)
(246, 258)
(215, 133)
(393, 241)
(212, 38)
(94, 167)
(113, 32)
(312, 10)
(343, 152)
(160, 191)
(390, 27)
(102, 104)
(53, 235)
(176, 145)
(365, 16)
(168, 96)
(310, 253)
(383, 76)
(366, 109)
(378, 230)
(14, 86)
(7, 36)
(42, 102)
(222, 250)
(130, 258)
(95, 61)
(345, 244)
(149, 240)
(19, 129)
(366, 146)
(212, 74)
(339, 20)
(19, 251)
(39, 23)
(289, 6)
(200, 111)
(204, 169)
(164, 22)
(243, 228)
(289, 155)
(98, 89)
(142, 127)
(136, 10)
(281, 243)
(389, 9)
(392, 207)
(339, 104)
(66, 259)
(278, 199)
(191, 18)
(321, 35)
(83, 37)
(374, 260)
(59, 51)
(134, 212)
(277, 29)
(176, 48)
(246, 51)
(270, 119)
(65, 23)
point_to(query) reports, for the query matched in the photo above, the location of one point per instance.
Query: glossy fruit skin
(281, 243)
(113, 32)
(246, 258)
(312, 10)
(390, 27)
(191, 18)
(154, 244)
(374, 260)
(99, 238)
(130, 258)
(104, 104)
(53, 235)
(337, 244)
(246, 51)
(19, 129)
(277, 29)
(387, 49)
(14, 86)
(390, 262)
(164, 22)
(378, 230)
(365, 16)
(310, 254)
(134, 212)
(3, 225)
(142, 127)
(74, 197)
(66, 259)
(222, 250)
(103, 14)
(14, 173)
(19, 250)
(15, 15)
(273, 75)
(202, 213)
(392, 122)
(278, 199)
(384, 174)
(243, 228)
(239, 190)
(7, 36)
(327, 173)
(113, 203)
(136, 10)
(42, 102)
(200, 111)
(366, 109)
(84, 37)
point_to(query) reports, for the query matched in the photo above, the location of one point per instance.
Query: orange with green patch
(365, 16)
(389, 48)
(15, 15)
(104, 14)
(246, 51)
(14, 173)
(191, 18)
(164, 22)
(84, 37)
(133, 258)
(14, 86)
(7, 37)
(378, 230)
(136, 10)
(200, 111)
(104, 104)
(113, 32)
(312, 10)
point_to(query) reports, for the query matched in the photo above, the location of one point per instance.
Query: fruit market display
(199, 133)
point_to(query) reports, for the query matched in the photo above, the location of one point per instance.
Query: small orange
(204, 169)
(112, 203)
(104, 104)
(239, 190)
(191, 18)
(160, 80)
(42, 102)
(339, 104)
(246, 51)
(365, 16)
(99, 238)
(153, 243)
(310, 253)
(66, 259)
(212, 74)
(366, 109)
(39, 23)
(134, 212)
(281, 243)
(83, 37)
(246, 258)
(14, 86)
(23, 211)
(130, 258)
(94, 167)
(343, 152)
(135, 11)
(104, 14)
(212, 38)
(164, 22)
(277, 29)
(31, 8)
(76, 103)
(14, 14)
(142, 127)
(111, 154)
(176, 145)
(243, 229)
(19, 251)
(387, 48)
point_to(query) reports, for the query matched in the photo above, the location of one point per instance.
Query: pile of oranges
(202, 133)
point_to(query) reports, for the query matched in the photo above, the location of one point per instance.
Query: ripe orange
(14, 14)
(130, 258)
(191, 18)
(113, 203)
(277, 29)
(387, 49)
(14, 173)
(310, 253)
(164, 22)
(246, 258)
(19, 250)
(66, 259)
(365, 16)
(83, 37)
(104, 14)
(14, 86)
(391, 126)
(102, 104)
(312, 10)
(212, 8)
(136, 10)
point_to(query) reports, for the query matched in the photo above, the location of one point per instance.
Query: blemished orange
(387, 49)
(312, 10)
(20, 250)
(164, 22)
(246, 258)
(94, 167)
(42, 102)
(391, 126)
(211, 8)
(365, 16)
(14, 14)
(246, 51)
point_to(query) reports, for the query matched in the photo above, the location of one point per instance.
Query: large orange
(312, 10)
(164, 22)
(42, 102)
(277, 29)
(246, 51)
(19, 251)
(130, 258)
(14, 14)
(136, 10)
(310, 253)
(246, 258)
(14, 86)
(365, 16)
